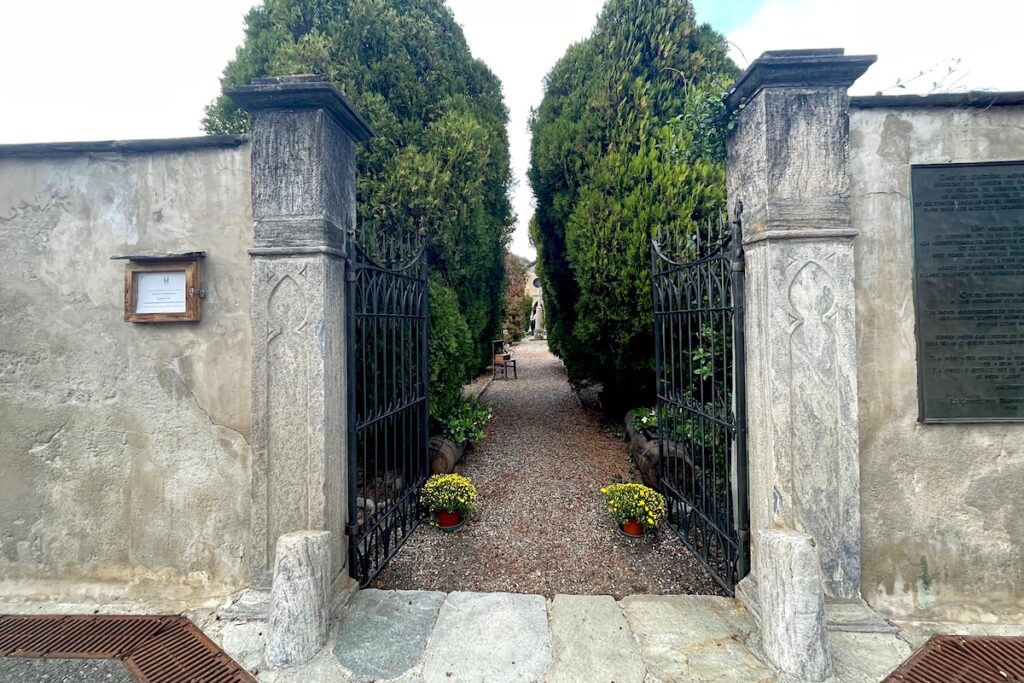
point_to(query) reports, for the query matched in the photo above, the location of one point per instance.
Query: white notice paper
(160, 292)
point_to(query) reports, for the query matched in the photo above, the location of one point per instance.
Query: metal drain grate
(964, 659)
(156, 649)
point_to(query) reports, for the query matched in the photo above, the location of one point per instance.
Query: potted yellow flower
(636, 508)
(451, 497)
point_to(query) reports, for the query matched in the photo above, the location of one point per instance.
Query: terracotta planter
(449, 520)
(631, 527)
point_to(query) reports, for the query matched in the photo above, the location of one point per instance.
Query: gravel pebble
(540, 524)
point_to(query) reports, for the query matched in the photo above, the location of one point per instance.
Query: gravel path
(540, 524)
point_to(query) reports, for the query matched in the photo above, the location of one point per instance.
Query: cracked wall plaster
(126, 456)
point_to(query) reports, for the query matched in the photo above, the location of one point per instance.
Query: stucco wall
(942, 505)
(125, 447)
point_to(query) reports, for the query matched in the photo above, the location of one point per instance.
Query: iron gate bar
(387, 318)
(702, 405)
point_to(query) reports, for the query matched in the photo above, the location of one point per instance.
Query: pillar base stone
(792, 605)
(300, 600)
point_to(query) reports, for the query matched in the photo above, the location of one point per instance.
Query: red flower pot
(446, 520)
(631, 527)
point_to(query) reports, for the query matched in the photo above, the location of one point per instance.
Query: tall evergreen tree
(439, 162)
(627, 140)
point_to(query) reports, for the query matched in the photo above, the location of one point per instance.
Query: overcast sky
(73, 70)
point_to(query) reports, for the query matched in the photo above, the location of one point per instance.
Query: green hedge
(627, 140)
(439, 164)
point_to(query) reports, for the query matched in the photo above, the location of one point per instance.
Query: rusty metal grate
(964, 659)
(156, 649)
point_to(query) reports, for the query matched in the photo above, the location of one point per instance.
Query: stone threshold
(441, 637)
(405, 636)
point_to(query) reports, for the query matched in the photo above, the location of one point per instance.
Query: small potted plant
(451, 498)
(637, 509)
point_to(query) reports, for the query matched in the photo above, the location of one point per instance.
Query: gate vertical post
(741, 479)
(788, 160)
(304, 202)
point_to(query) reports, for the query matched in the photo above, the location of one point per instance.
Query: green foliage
(450, 347)
(525, 311)
(645, 420)
(466, 421)
(439, 163)
(517, 304)
(628, 139)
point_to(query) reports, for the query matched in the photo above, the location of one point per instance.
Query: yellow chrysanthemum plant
(632, 501)
(449, 494)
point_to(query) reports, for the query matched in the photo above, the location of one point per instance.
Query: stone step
(382, 635)
(489, 637)
(695, 638)
(591, 641)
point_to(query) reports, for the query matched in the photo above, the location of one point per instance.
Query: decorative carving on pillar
(813, 357)
(288, 395)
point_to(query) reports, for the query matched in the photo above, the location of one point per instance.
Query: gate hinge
(737, 266)
(745, 535)
(350, 275)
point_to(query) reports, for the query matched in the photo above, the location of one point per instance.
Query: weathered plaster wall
(942, 505)
(125, 447)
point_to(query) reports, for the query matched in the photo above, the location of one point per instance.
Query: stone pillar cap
(301, 92)
(818, 68)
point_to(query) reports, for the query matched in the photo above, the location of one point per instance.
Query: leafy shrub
(467, 421)
(635, 501)
(645, 420)
(517, 304)
(451, 351)
(449, 493)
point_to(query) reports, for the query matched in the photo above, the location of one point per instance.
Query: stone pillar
(788, 164)
(304, 206)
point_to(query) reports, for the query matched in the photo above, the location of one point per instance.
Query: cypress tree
(439, 162)
(627, 140)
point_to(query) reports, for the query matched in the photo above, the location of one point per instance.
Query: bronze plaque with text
(969, 291)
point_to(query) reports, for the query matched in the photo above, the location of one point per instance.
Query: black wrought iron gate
(698, 333)
(388, 376)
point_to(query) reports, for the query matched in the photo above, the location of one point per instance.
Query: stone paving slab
(489, 637)
(591, 641)
(865, 657)
(382, 634)
(694, 638)
(31, 670)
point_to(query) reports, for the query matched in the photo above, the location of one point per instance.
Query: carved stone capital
(816, 68)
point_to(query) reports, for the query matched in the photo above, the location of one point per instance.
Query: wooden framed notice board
(164, 288)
